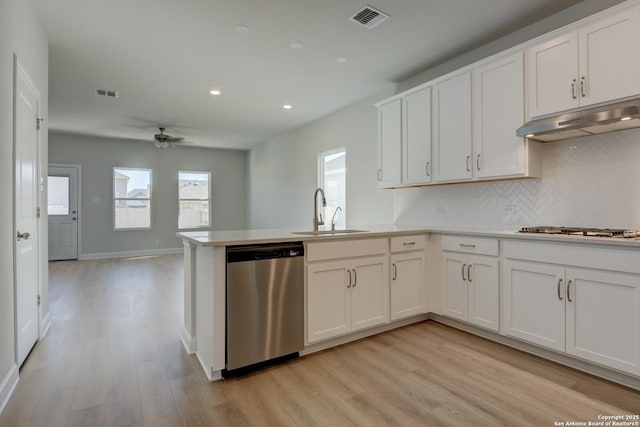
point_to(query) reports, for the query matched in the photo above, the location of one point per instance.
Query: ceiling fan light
(161, 144)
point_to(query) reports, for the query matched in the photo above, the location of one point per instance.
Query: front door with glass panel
(62, 208)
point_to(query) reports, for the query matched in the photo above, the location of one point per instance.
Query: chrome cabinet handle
(409, 243)
(467, 163)
(558, 290)
(573, 89)
(428, 168)
(355, 278)
(395, 271)
(464, 245)
(478, 162)
(463, 267)
(379, 174)
(349, 285)
(24, 236)
(469, 273)
(583, 86)
(569, 291)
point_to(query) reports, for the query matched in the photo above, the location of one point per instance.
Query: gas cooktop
(580, 231)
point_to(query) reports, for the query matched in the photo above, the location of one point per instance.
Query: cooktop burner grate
(581, 231)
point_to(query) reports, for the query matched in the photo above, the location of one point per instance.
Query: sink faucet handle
(333, 224)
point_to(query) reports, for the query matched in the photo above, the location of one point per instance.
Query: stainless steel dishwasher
(265, 303)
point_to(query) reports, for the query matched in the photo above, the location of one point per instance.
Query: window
(58, 195)
(332, 178)
(131, 198)
(194, 199)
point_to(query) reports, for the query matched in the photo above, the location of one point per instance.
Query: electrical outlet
(509, 209)
(440, 210)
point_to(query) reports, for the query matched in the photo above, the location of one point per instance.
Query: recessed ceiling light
(287, 106)
(625, 118)
(242, 29)
(215, 92)
(341, 59)
(529, 135)
(296, 45)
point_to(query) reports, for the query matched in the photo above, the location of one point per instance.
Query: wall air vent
(106, 92)
(369, 17)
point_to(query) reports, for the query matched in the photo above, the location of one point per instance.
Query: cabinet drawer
(471, 245)
(338, 249)
(408, 243)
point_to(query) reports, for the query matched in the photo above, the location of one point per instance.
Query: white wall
(283, 172)
(20, 34)
(97, 158)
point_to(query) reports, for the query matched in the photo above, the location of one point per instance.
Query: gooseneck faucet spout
(316, 221)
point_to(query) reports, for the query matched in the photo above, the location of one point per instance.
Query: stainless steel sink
(327, 232)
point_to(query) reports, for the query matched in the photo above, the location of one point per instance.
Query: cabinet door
(390, 143)
(609, 58)
(454, 291)
(452, 129)
(533, 303)
(328, 299)
(603, 318)
(369, 292)
(416, 153)
(498, 110)
(484, 292)
(407, 285)
(553, 75)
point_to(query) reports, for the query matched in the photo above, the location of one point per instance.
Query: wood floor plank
(113, 358)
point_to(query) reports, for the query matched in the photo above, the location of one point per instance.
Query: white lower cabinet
(346, 295)
(408, 284)
(471, 283)
(594, 315)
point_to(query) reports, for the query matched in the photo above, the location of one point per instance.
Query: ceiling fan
(162, 140)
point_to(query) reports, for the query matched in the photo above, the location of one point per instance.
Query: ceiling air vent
(106, 92)
(369, 17)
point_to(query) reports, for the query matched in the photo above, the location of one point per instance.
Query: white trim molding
(130, 254)
(7, 386)
(189, 342)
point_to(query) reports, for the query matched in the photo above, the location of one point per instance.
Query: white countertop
(244, 237)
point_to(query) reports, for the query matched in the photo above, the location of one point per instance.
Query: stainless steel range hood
(605, 118)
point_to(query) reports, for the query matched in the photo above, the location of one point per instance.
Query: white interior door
(26, 216)
(62, 207)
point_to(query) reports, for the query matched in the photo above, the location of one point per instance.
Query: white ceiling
(163, 56)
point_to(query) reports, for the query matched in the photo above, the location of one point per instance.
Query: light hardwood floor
(113, 358)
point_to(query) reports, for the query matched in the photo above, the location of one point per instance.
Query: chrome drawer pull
(465, 245)
(409, 243)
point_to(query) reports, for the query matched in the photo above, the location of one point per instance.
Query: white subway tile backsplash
(588, 182)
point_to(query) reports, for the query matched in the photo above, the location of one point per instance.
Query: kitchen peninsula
(497, 295)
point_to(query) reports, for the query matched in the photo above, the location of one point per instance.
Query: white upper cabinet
(452, 128)
(416, 143)
(404, 154)
(594, 64)
(390, 143)
(498, 110)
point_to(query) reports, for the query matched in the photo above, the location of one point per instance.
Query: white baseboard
(208, 370)
(131, 254)
(188, 342)
(7, 386)
(45, 325)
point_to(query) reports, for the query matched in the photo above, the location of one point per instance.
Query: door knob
(24, 236)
